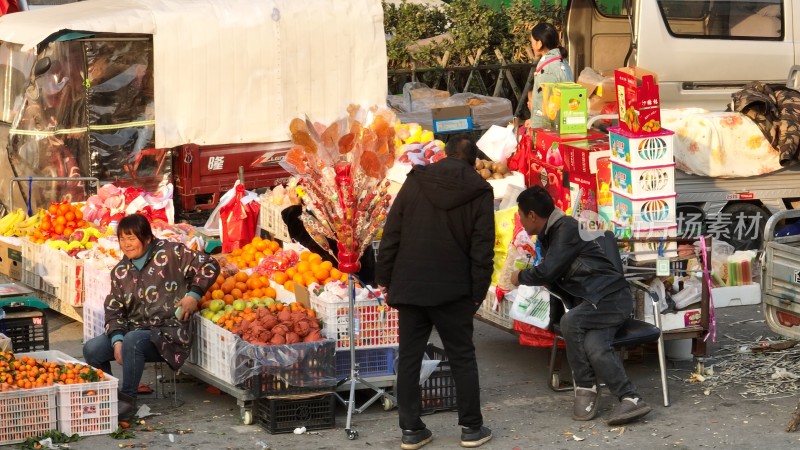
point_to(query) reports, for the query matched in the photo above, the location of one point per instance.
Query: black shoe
(126, 407)
(414, 439)
(475, 437)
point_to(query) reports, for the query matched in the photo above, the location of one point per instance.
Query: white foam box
(516, 180)
(647, 251)
(723, 297)
(643, 181)
(641, 150)
(658, 211)
(680, 319)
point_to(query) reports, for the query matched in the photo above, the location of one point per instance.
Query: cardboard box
(647, 211)
(554, 179)
(583, 193)
(581, 156)
(565, 107)
(723, 297)
(637, 150)
(449, 119)
(11, 260)
(638, 101)
(643, 181)
(680, 319)
(647, 251)
(543, 140)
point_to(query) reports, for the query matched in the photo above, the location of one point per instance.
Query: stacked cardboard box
(642, 166)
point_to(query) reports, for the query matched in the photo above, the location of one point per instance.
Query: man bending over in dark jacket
(435, 265)
(601, 299)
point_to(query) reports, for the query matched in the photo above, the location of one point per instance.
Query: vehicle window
(15, 68)
(724, 19)
(612, 8)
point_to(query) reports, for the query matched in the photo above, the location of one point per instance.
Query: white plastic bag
(498, 143)
(531, 305)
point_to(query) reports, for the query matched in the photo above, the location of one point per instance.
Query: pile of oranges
(60, 219)
(248, 256)
(26, 372)
(238, 286)
(310, 269)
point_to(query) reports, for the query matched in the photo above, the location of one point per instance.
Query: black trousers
(454, 323)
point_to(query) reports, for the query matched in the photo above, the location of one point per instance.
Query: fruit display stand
(32, 264)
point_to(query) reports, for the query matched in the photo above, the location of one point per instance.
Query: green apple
(268, 302)
(207, 313)
(216, 305)
(217, 315)
(228, 308)
(239, 304)
(250, 305)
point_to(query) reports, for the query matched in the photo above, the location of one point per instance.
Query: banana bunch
(29, 225)
(9, 222)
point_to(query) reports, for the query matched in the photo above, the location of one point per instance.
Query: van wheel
(745, 228)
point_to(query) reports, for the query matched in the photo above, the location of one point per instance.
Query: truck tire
(743, 234)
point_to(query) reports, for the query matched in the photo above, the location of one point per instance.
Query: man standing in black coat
(435, 266)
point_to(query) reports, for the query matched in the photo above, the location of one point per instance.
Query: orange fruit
(309, 278)
(335, 273)
(298, 278)
(270, 291)
(289, 286)
(291, 271)
(327, 265)
(236, 293)
(305, 255)
(256, 292)
(280, 277)
(228, 299)
(343, 278)
(236, 252)
(321, 274)
(53, 209)
(303, 266)
(240, 285)
(240, 276)
(262, 245)
(315, 258)
(274, 246)
(220, 279)
(228, 286)
(217, 294)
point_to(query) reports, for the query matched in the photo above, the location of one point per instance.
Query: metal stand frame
(354, 378)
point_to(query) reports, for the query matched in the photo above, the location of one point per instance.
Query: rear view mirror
(41, 67)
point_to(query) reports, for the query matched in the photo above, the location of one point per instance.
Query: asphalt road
(518, 406)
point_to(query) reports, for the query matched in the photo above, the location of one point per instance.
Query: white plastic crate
(96, 283)
(31, 257)
(61, 274)
(213, 349)
(94, 320)
(378, 323)
(270, 219)
(27, 413)
(86, 408)
(494, 311)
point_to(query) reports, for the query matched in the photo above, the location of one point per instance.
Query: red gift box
(637, 100)
(554, 179)
(583, 192)
(544, 139)
(581, 156)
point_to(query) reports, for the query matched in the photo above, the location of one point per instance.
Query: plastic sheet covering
(46, 136)
(304, 364)
(486, 110)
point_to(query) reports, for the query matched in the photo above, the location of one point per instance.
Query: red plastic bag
(534, 336)
(239, 219)
(520, 161)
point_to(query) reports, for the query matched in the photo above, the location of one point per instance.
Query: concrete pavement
(518, 406)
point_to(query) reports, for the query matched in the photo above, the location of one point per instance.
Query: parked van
(702, 51)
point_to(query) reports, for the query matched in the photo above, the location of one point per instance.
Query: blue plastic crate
(372, 362)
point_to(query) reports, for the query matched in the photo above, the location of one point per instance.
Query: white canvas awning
(236, 71)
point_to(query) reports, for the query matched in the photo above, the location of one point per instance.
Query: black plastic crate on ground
(439, 390)
(284, 414)
(372, 362)
(26, 327)
(312, 369)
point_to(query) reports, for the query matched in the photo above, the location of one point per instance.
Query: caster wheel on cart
(351, 434)
(247, 416)
(555, 381)
(388, 404)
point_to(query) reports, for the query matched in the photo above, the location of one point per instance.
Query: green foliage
(471, 26)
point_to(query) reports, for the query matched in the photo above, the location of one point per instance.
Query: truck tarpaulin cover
(236, 71)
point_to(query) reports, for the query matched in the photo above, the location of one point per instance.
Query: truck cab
(702, 50)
